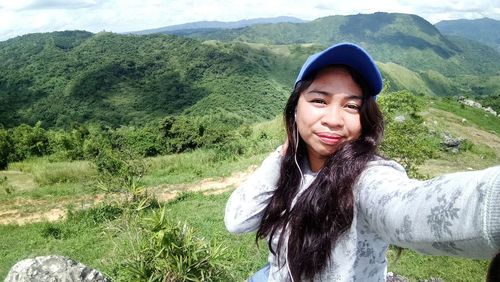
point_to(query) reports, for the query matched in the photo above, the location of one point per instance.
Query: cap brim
(345, 54)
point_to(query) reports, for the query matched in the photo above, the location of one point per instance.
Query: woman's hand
(284, 147)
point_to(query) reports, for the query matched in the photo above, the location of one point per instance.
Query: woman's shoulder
(379, 164)
(381, 171)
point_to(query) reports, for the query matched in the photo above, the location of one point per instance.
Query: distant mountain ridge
(211, 25)
(486, 30)
(404, 39)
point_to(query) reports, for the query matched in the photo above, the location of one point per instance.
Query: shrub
(406, 138)
(6, 148)
(50, 230)
(121, 172)
(29, 141)
(168, 251)
(68, 145)
(97, 214)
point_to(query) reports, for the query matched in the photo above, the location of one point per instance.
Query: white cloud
(23, 5)
(26, 16)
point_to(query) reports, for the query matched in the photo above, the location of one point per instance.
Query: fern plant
(170, 251)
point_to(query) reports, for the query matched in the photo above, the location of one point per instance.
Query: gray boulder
(451, 144)
(53, 269)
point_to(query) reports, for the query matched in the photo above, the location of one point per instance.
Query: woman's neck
(315, 163)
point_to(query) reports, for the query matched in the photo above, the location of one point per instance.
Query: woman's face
(327, 114)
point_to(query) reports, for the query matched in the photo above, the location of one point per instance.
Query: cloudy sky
(18, 17)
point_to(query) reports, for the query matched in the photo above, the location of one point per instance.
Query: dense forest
(63, 78)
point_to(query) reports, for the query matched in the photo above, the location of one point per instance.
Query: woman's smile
(329, 138)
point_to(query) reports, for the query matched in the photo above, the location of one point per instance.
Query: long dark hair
(494, 269)
(325, 210)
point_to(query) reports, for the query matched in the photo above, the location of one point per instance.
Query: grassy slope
(205, 213)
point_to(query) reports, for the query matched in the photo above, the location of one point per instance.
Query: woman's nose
(332, 118)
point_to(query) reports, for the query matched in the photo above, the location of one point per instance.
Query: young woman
(329, 206)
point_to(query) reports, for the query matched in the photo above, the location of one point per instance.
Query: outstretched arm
(454, 214)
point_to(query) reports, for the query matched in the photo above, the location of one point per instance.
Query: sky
(18, 17)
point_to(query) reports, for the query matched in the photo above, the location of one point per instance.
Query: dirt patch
(208, 185)
(14, 217)
(13, 213)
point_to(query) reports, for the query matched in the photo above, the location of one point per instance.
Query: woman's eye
(318, 101)
(353, 107)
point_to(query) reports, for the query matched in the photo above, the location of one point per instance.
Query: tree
(6, 148)
(29, 141)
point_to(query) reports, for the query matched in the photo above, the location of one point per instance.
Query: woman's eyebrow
(318, 92)
(325, 93)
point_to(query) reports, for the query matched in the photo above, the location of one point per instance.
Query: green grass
(97, 240)
(479, 118)
(88, 244)
(91, 238)
(418, 267)
(53, 191)
(194, 166)
(47, 172)
(403, 78)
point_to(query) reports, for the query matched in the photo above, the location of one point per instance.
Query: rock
(475, 104)
(391, 277)
(450, 143)
(491, 111)
(53, 268)
(400, 118)
(472, 103)
(432, 279)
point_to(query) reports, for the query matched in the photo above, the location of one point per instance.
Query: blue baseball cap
(345, 54)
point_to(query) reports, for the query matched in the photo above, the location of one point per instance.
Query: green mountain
(65, 77)
(486, 31)
(245, 74)
(404, 39)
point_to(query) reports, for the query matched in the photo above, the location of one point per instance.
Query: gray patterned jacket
(455, 214)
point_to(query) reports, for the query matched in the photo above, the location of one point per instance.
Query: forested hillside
(486, 31)
(62, 78)
(76, 77)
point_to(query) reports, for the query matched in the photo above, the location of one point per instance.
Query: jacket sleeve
(246, 204)
(454, 214)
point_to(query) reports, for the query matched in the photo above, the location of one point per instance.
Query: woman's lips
(329, 139)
